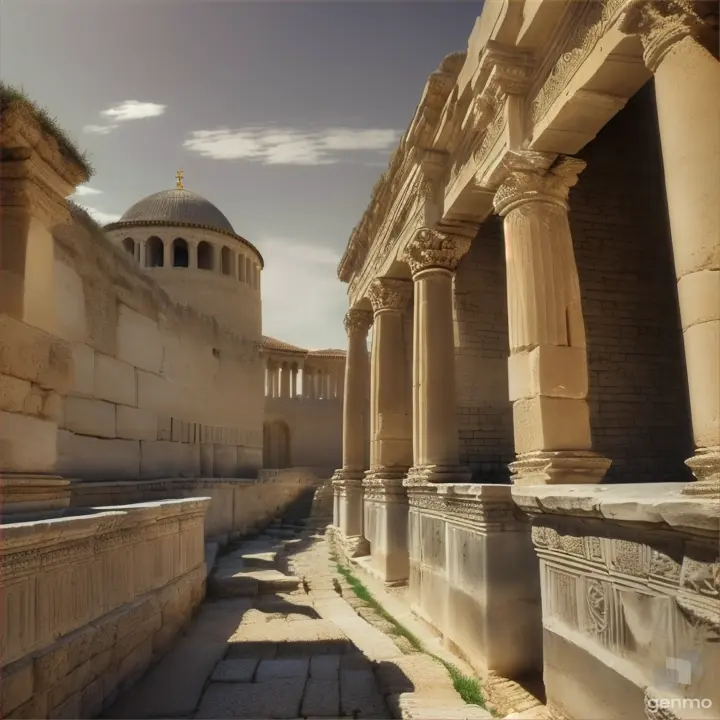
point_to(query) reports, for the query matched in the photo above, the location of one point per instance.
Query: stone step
(239, 581)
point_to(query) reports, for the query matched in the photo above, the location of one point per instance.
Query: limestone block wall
(481, 350)
(638, 388)
(91, 600)
(237, 506)
(158, 391)
(315, 430)
(629, 577)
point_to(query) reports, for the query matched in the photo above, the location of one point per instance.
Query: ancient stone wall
(314, 427)
(638, 388)
(158, 390)
(91, 600)
(481, 351)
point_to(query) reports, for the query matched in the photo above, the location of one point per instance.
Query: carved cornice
(434, 249)
(662, 24)
(357, 322)
(592, 21)
(509, 69)
(531, 180)
(390, 184)
(389, 294)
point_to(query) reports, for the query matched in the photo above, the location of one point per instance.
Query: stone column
(293, 381)
(192, 255)
(347, 481)
(433, 257)
(548, 362)
(687, 91)
(285, 381)
(391, 451)
(167, 253)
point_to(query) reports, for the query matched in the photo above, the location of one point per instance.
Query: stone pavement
(281, 644)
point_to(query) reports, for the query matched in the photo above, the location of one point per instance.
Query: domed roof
(177, 205)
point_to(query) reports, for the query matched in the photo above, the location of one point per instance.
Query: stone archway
(276, 444)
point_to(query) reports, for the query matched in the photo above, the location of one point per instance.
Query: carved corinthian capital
(531, 181)
(662, 23)
(357, 322)
(434, 249)
(389, 294)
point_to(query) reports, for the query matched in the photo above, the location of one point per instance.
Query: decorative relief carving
(434, 249)
(701, 577)
(596, 607)
(533, 178)
(357, 322)
(664, 566)
(594, 18)
(661, 25)
(629, 558)
(389, 294)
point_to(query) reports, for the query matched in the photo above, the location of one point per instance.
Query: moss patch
(10, 95)
(466, 686)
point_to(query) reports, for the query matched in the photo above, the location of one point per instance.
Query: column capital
(431, 248)
(662, 24)
(389, 294)
(357, 322)
(534, 177)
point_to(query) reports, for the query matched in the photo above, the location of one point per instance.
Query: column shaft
(433, 257)
(285, 381)
(547, 368)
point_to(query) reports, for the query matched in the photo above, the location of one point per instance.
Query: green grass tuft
(10, 95)
(466, 686)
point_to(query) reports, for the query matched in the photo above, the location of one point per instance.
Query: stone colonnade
(290, 379)
(548, 367)
(165, 252)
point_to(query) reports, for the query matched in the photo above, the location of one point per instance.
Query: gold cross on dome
(179, 176)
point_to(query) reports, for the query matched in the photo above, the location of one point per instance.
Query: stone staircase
(257, 565)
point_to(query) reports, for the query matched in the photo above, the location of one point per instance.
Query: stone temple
(523, 469)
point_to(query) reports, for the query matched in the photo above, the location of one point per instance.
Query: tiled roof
(274, 345)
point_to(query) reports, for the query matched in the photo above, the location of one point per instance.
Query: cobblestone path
(275, 640)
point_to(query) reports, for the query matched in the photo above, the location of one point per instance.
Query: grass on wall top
(10, 95)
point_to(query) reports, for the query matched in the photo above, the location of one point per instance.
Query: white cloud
(100, 217)
(303, 300)
(83, 190)
(127, 110)
(133, 110)
(99, 129)
(287, 146)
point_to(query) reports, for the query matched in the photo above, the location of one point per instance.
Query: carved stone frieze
(357, 322)
(434, 249)
(389, 294)
(662, 24)
(510, 69)
(591, 22)
(533, 179)
(596, 606)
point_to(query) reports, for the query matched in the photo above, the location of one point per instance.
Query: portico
(542, 156)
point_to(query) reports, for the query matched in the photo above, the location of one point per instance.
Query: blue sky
(283, 114)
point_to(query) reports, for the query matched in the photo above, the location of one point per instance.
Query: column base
(386, 524)
(433, 474)
(563, 467)
(23, 493)
(355, 546)
(705, 466)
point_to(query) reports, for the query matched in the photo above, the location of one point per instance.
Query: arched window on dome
(129, 246)
(226, 261)
(180, 253)
(205, 256)
(154, 252)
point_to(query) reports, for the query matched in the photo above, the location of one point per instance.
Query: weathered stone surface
(236, 670)
(279, 698)
(321, 698)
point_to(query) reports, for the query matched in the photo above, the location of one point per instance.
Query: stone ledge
(637, 503)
